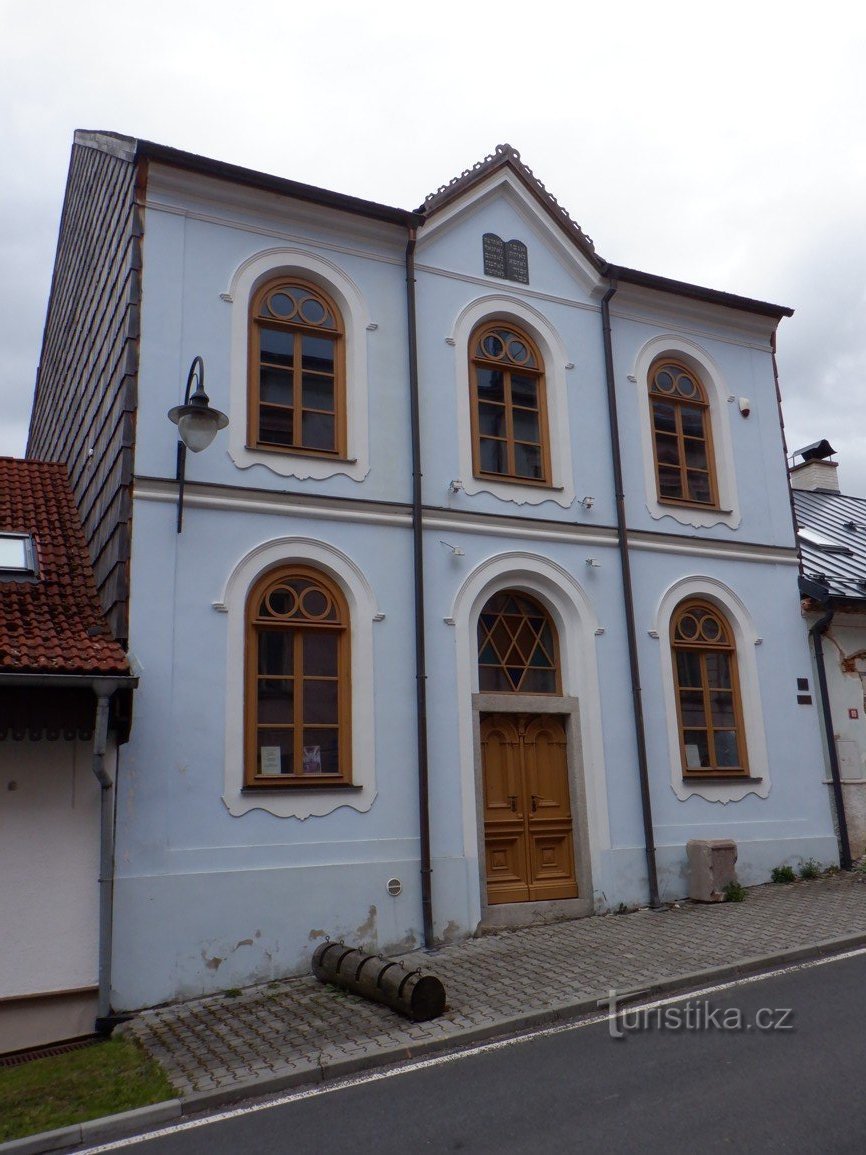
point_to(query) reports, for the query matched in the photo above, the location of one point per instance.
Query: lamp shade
(197, 428)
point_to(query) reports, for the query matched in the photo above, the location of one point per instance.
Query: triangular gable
(505, 156)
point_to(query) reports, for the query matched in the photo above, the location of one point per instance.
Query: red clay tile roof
(55, 623)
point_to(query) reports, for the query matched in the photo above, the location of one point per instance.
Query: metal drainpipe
(628, 598)
(817, 632)
(104, 1022)
(418, 566)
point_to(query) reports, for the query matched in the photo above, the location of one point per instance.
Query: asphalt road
(772, 1065)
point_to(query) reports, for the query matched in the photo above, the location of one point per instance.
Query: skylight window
(826, 544)
(17, 555)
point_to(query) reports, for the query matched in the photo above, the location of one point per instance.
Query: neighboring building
(58, 665)
(832, 537)
(460, 386)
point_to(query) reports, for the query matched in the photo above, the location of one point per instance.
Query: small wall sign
(853, 712)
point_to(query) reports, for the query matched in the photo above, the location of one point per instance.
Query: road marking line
(465, 1053)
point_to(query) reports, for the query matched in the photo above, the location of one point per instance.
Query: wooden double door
(528, 835)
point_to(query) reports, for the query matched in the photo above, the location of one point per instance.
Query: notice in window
(312, 759)
(271, 759)
(693, 756)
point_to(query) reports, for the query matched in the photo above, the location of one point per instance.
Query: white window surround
(506, 308)
(254, 271)
(691, 354)
(576, 625)
(746, 639)
(363, 611)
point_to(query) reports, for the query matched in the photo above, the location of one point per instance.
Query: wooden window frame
(679, 403)
(300, 329)
(726, 645)
(253, 780)
(543, 612)
(478, 361)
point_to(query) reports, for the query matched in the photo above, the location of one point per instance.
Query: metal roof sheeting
(842, 521)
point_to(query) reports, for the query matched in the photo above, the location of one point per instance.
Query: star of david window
(517, 650)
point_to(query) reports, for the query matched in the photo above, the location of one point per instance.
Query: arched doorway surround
(571, 710)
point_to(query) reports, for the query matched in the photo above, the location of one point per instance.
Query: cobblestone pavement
(299, 1026)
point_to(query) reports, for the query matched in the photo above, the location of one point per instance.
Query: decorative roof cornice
(505, 155)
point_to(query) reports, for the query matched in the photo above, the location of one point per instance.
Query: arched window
(517, 646)
(681, 435)
(297, 386)
(509, 413)
(297, 681)
(709, 710)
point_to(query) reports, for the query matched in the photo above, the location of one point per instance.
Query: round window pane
(517, 351)
(492, 346)
(315, 603)
(664, 382)
(711, 629)
(281, 602)
(313, 311)
(281, 305)
(688, 627)
(686, 386)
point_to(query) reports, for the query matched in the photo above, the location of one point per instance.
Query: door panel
(527, 812)
(504, 817)
(549, 829)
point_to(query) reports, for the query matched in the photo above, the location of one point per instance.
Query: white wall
(49, 866)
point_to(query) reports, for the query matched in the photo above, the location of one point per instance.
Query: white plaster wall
(199, 234)
(49, 865)
(846, 638)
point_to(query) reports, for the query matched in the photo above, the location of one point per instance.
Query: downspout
(628, 598)
(104, 1023)
(418, 569)
(816, 632)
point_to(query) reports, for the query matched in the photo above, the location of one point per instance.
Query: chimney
(815, 471)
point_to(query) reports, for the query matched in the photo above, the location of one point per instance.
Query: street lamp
(197, 425)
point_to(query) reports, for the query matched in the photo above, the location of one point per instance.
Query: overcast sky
(722, 144)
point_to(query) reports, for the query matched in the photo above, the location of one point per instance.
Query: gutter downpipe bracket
(628, 599)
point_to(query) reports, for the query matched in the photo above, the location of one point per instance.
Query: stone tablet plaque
(507, 260)
(494, 255)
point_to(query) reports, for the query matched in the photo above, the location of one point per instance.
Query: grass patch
(56, 1092)
(811, 868)
(782, 874)
(733, 892)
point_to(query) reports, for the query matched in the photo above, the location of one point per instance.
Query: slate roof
(841, 520)
(52, 624)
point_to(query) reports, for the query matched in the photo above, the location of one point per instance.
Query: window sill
(675, 503)
(715, 779)
(296, 784)
(304, 454)
(488, 477)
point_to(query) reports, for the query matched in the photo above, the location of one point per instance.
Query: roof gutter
(628, 598)
(420, 630)
(820, 593)
(97, 682)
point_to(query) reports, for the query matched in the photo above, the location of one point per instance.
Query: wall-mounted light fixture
(593, 563)
(455, 486)
(197, 425)
(587, 502)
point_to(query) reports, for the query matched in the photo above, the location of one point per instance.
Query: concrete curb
(108, 1127)
(329, 1068)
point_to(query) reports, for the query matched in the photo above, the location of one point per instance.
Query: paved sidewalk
(298, 1030)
